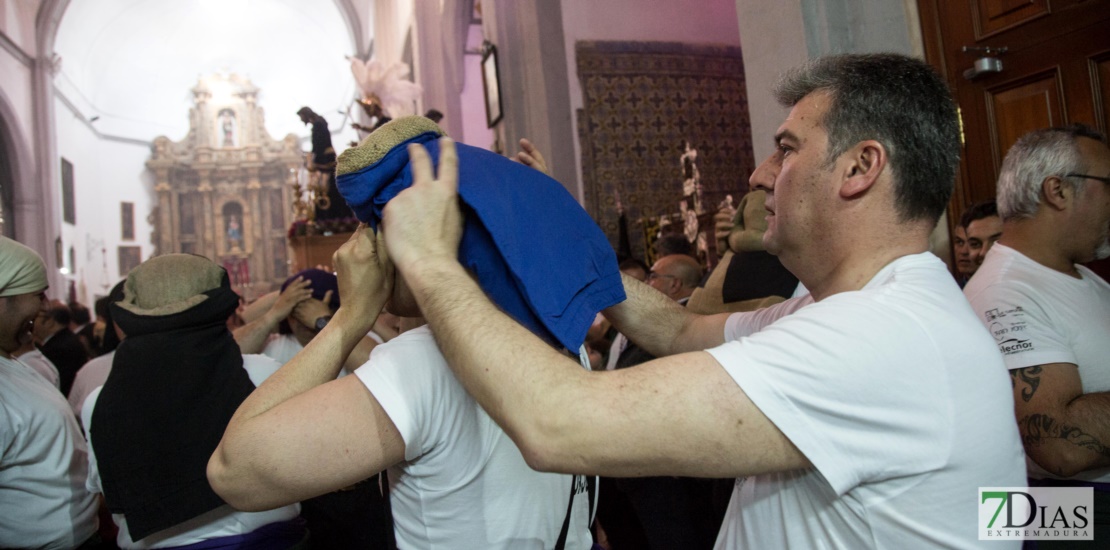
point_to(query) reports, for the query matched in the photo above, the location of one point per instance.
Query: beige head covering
(169, 284)
(21, 269)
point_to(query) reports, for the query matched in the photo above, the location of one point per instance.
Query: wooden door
(1056, 71)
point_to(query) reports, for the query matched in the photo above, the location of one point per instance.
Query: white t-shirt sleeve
(409, 379)
(836, 398)
(750, 322)
(1024, 331)
(259, 367)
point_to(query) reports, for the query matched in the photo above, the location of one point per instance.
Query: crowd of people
(465, 392)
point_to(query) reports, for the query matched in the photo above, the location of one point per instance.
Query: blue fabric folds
(535, 251)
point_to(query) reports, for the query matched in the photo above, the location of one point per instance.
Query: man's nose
(764, 175)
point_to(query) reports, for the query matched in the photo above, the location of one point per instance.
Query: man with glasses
(1050, 315)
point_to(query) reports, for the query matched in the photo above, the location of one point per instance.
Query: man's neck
(1040, 241)
(853, 269)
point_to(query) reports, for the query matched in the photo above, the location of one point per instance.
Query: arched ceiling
(132, 63)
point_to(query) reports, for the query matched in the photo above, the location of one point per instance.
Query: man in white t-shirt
(43, 501)
(458, 480)
(863, 415)
(1049, 315)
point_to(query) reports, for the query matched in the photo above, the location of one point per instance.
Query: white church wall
(106, 173)
(17, 23)
(15, 85)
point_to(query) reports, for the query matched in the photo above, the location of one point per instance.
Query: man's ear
(866, 162)
(1057, 193)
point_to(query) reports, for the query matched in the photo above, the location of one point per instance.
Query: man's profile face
(660, 277)
(1093, 202)
(795, 176)
(964, 265)
(981, 235)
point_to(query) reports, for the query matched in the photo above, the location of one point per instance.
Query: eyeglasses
(654, 275)
(1090, 177)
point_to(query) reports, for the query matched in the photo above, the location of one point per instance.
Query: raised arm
(308, 311)
(260, 306)
(662, 326)
(252, 336)
(303, 433)
(1064, 430)
(681, 415)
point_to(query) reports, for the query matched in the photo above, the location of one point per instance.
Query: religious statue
(227, 128)
(234, 235)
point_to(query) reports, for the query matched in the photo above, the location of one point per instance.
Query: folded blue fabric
(534, 250)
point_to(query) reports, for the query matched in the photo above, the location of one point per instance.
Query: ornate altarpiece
(224, 191)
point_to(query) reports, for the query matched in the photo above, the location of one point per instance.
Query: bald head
(676, 275)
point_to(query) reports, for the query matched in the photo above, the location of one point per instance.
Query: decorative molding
(17, 52)
(84, 120)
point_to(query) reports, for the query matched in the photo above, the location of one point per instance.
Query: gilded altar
(224, 191)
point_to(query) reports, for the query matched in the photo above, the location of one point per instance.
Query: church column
(260, 261)
(207, 229)
(167, 218)
(532, 59)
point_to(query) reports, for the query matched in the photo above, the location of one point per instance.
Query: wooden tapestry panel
(642, 101)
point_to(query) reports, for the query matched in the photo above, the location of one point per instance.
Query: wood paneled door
(1055, 71)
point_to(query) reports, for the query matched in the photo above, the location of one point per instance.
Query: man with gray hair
(844, 414)
(1050, 315)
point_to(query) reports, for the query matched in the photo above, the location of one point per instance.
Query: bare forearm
(256, 442)
(316, 364)
(662, 326)
(1072, 441)
(259, 307)
(252, 336)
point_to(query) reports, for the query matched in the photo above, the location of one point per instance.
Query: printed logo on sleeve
(1009, 329)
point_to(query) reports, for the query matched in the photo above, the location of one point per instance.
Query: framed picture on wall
(127, 220)
(129, 258)
(69, 206)
(491, 85)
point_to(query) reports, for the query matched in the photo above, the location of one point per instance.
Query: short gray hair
(1038, 155)
(898, 101)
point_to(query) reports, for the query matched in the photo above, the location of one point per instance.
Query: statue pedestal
(312, 250)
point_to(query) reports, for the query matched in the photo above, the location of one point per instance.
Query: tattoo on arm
(1037, 429)
(1030, 377)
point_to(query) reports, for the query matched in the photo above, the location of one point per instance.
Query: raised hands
(297, 291)
(365, 275)
(530, 156)
(423, 223)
